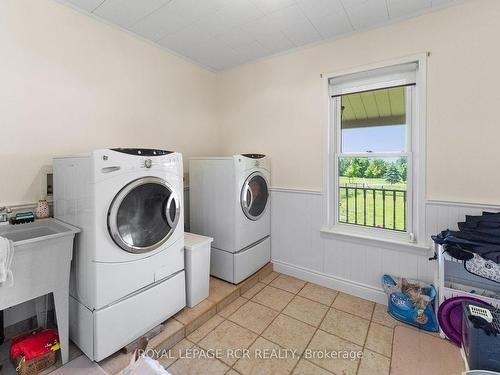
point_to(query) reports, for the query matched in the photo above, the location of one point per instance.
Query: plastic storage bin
(197, 264)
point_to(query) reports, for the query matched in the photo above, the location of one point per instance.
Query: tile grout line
(185, 336)
(278, 275)
(279, 312)
(373, 350)
(261, 304)
(305, 283)
(215, 305)
(259, 335)
(213, 329)
(314, 334)
(362, 346)
(312, 300)
(393, 329)
(316, 328)
(342, 338)
(392, 348)
(242, 296)
(366, 337)
(223, 320)
(176, 359)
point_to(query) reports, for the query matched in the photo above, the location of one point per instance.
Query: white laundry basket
(197, 264)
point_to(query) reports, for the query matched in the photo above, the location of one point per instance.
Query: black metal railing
(373, 207)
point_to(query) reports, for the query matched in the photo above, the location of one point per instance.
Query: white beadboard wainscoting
(300, 249)
(445, 215)
(347, 264)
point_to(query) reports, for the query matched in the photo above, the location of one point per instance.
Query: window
(375, 136)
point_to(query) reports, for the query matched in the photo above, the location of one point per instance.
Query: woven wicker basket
(36, 365)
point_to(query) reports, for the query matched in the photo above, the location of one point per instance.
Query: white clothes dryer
(230, 202)
(128, 267)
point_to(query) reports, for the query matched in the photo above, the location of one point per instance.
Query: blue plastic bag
(411, 302)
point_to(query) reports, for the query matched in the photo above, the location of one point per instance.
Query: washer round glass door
(254, 196)
(143, 215)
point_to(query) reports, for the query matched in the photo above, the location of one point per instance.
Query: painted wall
(277, 106)
(70, 84)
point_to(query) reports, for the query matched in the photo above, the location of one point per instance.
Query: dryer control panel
(142, 151)
(111, 162)
(251, 161)
(254, 156)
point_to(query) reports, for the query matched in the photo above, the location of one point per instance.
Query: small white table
(42, 261)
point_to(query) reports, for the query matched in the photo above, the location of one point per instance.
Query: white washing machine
(229, 201)
(128, 263)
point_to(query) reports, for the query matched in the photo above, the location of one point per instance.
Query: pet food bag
(411, 302)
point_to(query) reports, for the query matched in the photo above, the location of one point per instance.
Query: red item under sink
(33, 345)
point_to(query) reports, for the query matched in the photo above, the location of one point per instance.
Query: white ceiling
(221, 34)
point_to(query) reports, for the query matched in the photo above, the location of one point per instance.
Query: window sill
(386, 243)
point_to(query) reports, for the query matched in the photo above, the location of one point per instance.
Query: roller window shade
(391, 76)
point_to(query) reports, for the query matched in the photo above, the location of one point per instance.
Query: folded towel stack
(6, 257)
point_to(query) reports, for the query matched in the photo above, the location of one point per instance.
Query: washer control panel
(142, 151)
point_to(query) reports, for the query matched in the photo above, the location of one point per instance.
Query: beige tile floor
(264, 317)
(282, 312)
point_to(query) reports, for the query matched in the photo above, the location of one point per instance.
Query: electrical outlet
(50, 184)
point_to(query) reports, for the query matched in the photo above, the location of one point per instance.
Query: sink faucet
(4, 216)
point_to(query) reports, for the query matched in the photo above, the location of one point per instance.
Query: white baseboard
(343, 285)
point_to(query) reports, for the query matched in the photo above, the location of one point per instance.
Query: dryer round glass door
(254, 196)
(143, 215)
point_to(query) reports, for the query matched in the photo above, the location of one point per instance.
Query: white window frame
(415, 152)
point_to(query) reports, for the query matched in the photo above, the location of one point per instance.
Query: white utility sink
(42, 258)
(39, 230)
